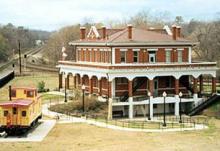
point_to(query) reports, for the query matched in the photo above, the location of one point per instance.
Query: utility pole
(19, 52)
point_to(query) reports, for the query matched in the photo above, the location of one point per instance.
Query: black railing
(125, 95)
(198, 109)
(7, 78)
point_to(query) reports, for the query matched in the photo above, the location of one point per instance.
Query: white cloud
(52, 14)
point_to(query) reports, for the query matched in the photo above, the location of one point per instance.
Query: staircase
(204, 105)
(125, 95)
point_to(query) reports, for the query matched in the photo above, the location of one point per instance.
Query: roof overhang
(133, 44)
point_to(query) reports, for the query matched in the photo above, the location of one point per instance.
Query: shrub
(41, 86)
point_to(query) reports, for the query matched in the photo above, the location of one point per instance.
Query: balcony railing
(140, 65)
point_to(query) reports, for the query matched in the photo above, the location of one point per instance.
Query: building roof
(139, 36)
(24, 88)
(16, 103)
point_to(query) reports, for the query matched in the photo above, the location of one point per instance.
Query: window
(5, 113)
(94, 55)
(180, 55)
(168, 54)
(154, 106)
(13, 93)
(135, 56)
(123, 56)
(23, 113)
(14, 110)
(79, 55)
(30, 93)
(152, 57)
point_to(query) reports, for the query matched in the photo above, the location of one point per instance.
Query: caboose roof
(16, 103)
(24, 88)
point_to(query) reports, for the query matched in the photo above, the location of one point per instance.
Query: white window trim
(124, 49)
(154, 58)
(152, 49)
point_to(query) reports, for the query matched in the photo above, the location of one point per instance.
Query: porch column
(67, 82)
(130, 99)
(109, 89)
(151, 107)
(151, 86)
(100, 87)
(74, 81)
(90, 85)
(195, 81)
(109, 99)
(60, 80)
(177, 86)
(201, 84)
(177, 107)
(213, 85)
(113, 88)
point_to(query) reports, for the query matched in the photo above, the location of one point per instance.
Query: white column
(177, 108)
(130, 114)
(151, 107)
(113, 55)
(113, 88)
(190, 55)
(110, 109)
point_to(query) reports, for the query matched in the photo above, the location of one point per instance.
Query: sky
(53, 14)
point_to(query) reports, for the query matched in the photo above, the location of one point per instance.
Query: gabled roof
(16, 103)
(139, 37)
(93, 32)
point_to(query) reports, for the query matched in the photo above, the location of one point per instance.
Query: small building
(126, 65)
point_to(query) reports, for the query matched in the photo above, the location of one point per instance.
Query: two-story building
(124, 65)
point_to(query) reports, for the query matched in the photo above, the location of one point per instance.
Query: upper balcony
(147, 66)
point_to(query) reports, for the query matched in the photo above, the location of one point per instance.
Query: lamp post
(180, 107)
(149, 94)
(65, 100)
(83, 97)
(164, 109)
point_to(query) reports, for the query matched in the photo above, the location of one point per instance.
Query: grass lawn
(83, 137)
(50, 79)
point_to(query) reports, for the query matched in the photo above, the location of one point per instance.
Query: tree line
(10, 35)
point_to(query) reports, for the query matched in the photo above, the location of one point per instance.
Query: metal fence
(157, 123)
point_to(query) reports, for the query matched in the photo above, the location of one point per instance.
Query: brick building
(124, 65)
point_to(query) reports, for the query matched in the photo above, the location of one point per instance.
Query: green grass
(49, 98)
(50, 79)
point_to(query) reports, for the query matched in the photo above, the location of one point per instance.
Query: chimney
(178, 31)
(174, 32)
(9, 93)
(103, 32)
(130, 31)
(82, 33)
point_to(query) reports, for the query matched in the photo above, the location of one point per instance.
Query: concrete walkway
(69, 119)
(34, 135)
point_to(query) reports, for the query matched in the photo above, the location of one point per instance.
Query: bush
(41, 86)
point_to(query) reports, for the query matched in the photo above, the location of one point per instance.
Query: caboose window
(13, 93)
(30, 93)
(14, 110)
(23, 113)
(5, 113)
